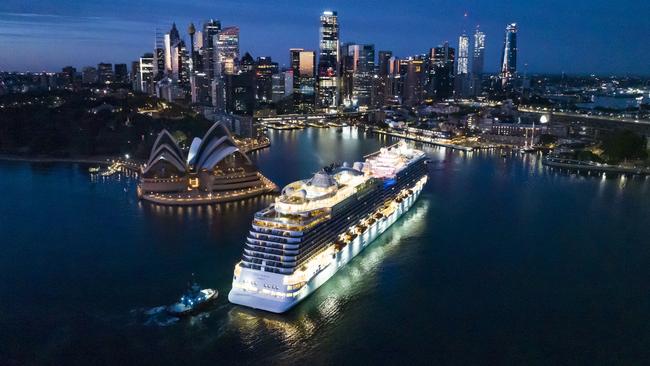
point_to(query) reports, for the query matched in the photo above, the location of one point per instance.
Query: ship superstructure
(319, 224)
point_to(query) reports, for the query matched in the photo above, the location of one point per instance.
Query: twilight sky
(574, 36)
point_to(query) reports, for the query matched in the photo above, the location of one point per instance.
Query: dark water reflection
(501, 261)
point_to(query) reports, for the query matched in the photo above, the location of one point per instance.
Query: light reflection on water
(487, 230)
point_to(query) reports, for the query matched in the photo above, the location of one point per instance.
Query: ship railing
(286, 271)
(271, 244)
(273, 257)
(268, 262)
(272, 248)
(278, 231)
(274, 238)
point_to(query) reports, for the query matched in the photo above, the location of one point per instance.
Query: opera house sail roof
(212, 164)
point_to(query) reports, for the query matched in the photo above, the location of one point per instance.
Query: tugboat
(193, 301)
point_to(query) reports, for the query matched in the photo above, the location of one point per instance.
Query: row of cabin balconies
(276, 238)
(259, 267)
(248, 250)
(274, 250)
(284, 267)
(270, 244)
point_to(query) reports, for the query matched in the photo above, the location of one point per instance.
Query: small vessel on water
(93, 169)
(193, 301)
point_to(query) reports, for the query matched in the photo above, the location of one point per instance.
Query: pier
(590, 166)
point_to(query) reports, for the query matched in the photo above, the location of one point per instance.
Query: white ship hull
(268, 298)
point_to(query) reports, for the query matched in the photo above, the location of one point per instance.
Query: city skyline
(30, 30)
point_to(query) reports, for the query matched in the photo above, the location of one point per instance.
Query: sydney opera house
(214, 170)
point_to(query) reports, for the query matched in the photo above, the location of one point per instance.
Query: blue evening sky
(574, 36)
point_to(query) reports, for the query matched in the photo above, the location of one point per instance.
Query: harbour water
(501, 260)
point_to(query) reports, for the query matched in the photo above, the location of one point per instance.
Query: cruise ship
(318, 225)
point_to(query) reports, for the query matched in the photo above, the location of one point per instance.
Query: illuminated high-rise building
(159, 56)
(144, 73)
(329, 62)
(462, 78)
(105, 73)
(171, 39)
(226, 63)
(441, 72)
(241, 88)
(381, 87)
(414, 84)
(478, 61)
(282, 85)
(227, 51)
(303, 64)
(358, 69)
(478, 56)
(265, 68)
(509, 56)
(363, 76)
(177, 62)
(349, 59)
(211, 30)
(463, 55)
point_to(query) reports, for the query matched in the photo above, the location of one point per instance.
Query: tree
(180, 137)
(624, 145)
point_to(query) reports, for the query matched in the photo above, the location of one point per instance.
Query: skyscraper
(70, 74)
(383, 72)
(328, 62)
(358, 68)
(226, 63)
(349, 59)
(509, 56)
(144, 74)
(170, 40)
(363, 78)
(89, 75)
(105, 73)
(414, 85)
(121, 73)
(478, 57)
(441, 72)
(282, 85)
(462, 79)
(304, 79)
(241, 88)
(227, 51)
(463, 55)
(264, 71)
(177, 62)
(159, 57)
(478, 60)
(211, 29)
